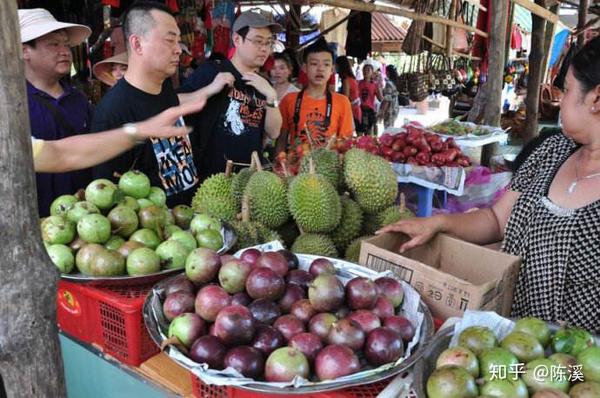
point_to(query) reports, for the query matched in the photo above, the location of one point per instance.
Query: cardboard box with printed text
(450, 274)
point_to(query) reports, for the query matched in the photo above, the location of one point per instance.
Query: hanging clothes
(339, 34)
(480, 44)
(358, 42)
(516, 39)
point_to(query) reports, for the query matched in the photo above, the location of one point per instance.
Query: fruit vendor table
(89, 374)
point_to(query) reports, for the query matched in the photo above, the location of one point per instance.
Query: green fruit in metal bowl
(535, 327)
(459, 356)
(202, 222)
(143, 261)
(135, 184)
(130, 201)
(146, 237)
(94, 228)
(172, 254)
(81, 209)
(84, 256)
(114, 243)
(505, 388)
(477, 339)
(183, 216)
(61, 205)
(144, 203)
(586, 389)
(103, 193)
(539, 375)
(524, 346)
(451, 382)
(169, 230)
(210, 239)
(572, 341)
(590, 363)
(494, 359)
(157, 196)
(186, 239)
(107, 263)
(57, 230)
(123, 220)
(62, 257)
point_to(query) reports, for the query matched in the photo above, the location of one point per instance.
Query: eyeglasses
(260, 43)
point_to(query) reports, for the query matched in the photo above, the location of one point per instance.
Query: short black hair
(137, 19)
(586, 65)
(31, 43)
(319, 46)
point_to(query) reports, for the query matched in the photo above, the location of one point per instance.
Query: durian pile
(327, 209)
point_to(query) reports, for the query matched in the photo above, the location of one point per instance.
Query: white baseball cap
(37, 22)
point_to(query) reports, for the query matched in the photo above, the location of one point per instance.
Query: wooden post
(581, 20)
(450, 31)
(548, 41)
(490, 94)
(536, 72)
(30, 358)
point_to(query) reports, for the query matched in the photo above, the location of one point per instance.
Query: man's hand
(222, 80)
(261, 85)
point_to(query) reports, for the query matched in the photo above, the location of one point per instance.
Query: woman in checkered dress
(550, 216)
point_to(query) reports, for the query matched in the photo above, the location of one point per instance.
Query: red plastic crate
(109, 317)
(201, 390)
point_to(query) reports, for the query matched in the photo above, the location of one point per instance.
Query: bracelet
(131, 130)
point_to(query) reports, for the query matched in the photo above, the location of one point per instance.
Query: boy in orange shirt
(315, 110)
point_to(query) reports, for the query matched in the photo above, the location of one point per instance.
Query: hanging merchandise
(516, 39)
(112, 3)
(414, 37)
(480, 44)
(418, 79)
(339, 34)
(358, 42)
(222, 15)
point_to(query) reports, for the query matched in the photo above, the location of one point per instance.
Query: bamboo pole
(582, 17)
(538, 10)
(371, 7)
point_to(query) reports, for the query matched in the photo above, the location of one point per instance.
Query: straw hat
(102, 70)
(38, 22)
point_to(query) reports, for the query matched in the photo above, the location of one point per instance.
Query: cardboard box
(451, 275)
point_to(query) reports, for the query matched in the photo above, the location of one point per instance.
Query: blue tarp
(560, 39)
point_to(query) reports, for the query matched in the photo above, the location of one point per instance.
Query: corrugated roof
(383, 29)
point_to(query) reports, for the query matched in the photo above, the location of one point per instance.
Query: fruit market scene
(322, 199)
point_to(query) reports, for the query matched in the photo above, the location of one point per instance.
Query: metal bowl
(157, 326)
(426, 364)
(229, 240)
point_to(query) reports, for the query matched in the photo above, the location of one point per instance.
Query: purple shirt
(77, 111)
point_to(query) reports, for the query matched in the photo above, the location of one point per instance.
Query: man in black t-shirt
(152, 38)
(234, 122)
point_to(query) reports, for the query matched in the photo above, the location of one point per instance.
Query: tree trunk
(30, 359)
(536, 72)
(490, 95)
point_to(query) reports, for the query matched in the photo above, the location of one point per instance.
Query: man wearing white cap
(56, 110)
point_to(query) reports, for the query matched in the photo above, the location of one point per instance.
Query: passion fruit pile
(271, 321)
(529, 361)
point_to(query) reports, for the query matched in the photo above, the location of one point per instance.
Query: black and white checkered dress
(560, 275)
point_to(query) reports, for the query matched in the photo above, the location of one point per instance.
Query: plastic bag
(482, 189)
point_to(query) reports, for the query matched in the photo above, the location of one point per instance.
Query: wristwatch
(273, 104)
(131, 130)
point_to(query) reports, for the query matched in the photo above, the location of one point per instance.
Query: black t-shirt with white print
(233, 127)
(168, 162)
